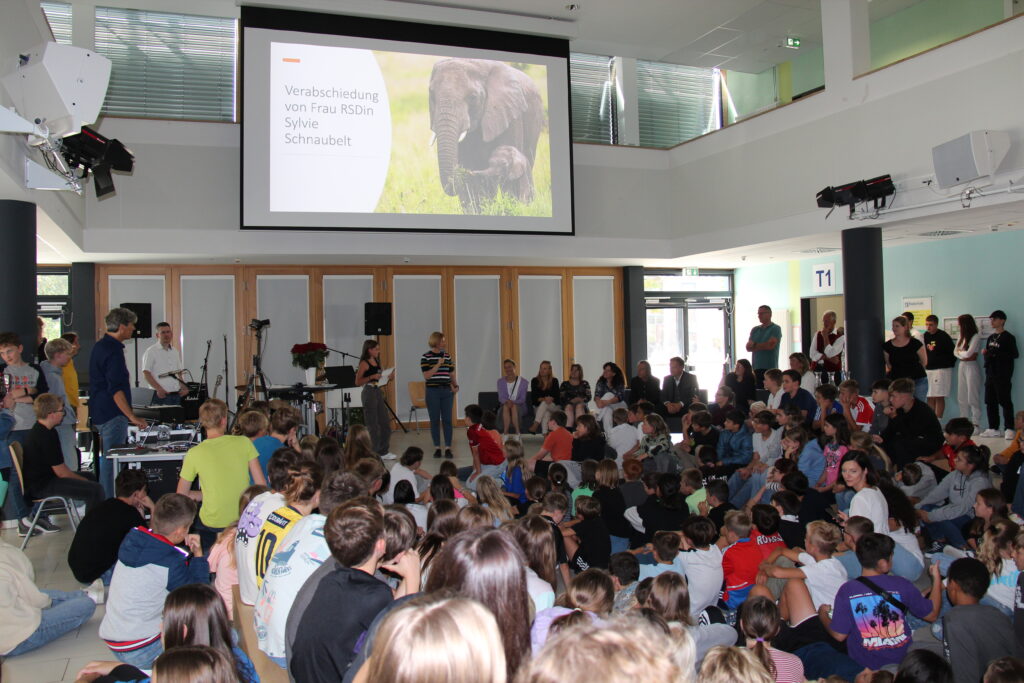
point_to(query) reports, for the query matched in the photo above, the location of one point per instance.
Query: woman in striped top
(439, 373)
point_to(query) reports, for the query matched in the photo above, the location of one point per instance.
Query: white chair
(43, 505)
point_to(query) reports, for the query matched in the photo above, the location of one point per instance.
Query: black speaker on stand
(143, 329)
(377, 319)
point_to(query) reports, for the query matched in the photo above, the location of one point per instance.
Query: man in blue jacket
(735, 446)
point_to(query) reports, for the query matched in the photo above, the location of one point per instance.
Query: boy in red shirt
(765, 532)
(557, 444)
(957, 433)
(740, 561)
(488, 455)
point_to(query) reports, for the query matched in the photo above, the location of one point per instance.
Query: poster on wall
(920, 307)
(952, 327)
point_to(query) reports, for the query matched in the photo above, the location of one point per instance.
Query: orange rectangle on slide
(293, 60)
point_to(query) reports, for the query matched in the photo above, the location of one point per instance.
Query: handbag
(886, 595)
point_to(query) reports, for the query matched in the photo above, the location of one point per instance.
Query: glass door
(707, 351)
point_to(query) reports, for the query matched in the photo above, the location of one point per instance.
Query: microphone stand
(382, 398)
(204, 377)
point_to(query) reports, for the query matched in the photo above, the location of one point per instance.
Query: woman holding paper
(375, 412)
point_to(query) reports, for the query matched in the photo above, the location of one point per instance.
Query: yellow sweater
(70, 375)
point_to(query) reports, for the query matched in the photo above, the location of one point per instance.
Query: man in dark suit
(678, 391)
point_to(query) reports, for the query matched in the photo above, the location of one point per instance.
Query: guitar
(216, 385)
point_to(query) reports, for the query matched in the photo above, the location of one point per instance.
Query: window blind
(58, 14)
(593, 99)
(675, 102)
(169, 66)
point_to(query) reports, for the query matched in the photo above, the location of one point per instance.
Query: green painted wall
(927, 24)
(751, 92)
(808, 70)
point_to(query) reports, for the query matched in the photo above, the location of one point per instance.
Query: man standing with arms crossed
(764, 345)
(160, 359)
(110, 392)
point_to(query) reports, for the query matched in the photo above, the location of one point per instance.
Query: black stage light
(90, 151)
(827, 198)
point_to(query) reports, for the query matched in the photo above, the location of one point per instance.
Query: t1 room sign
(823, 278)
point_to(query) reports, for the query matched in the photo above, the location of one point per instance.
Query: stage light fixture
(91, 152)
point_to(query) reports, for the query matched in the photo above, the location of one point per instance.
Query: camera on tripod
(255, 324)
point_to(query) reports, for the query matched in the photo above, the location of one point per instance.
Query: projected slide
(365, 133)
(356, 130)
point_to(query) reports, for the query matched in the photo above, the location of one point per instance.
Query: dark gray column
(18, 274)
(635, 314)
(864, 294)
(83, 315)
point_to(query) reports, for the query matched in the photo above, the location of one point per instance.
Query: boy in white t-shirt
(813, 584)
(700, 561)
(253, 517)
(623, 436)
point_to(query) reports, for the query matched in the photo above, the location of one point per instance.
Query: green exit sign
(691, 272)
(793, 43)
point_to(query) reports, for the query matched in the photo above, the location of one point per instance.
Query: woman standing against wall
(439, 373)
(375, 412)
(905, 357)
(968, 374)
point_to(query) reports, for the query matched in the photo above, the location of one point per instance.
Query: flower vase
(311, 376)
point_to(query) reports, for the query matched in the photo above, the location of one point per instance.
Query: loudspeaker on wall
(377, 319)
(144, 325)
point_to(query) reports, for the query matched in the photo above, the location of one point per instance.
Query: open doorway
(811, 311)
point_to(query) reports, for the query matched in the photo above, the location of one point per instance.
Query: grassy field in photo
(413, 185)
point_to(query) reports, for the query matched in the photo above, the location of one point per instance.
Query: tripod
(257, 382)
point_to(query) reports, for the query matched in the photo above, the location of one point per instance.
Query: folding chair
(42, 505)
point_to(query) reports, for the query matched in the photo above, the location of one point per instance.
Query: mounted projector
(91, 152)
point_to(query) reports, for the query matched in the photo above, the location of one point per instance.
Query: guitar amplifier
(197, 395)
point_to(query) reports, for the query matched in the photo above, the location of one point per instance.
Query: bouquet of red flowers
(309, 355)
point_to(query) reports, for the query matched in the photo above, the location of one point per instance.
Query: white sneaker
(989, 434)
(389, 456)
(97, 592)
(1009, 434)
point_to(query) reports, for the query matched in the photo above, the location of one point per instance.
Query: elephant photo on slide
(487, 117)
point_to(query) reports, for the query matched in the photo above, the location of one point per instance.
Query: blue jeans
(67, 611)
(820, 660)
(15, 506)
(741, 490)
(948, 529)
(619, 544)
(439, 408)
(492, 471)
(921, 389)
(171, 399)
(113, 433)
(144, 657)
(844, 499)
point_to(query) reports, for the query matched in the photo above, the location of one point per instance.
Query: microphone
(172, 373)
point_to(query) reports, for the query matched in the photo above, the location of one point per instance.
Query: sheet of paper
(385, 377)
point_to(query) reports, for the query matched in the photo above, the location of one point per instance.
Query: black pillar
(18, 274)
(635, 314)
(864, 293)
(83, 315)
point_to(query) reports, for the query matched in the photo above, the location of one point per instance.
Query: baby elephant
(509, 169)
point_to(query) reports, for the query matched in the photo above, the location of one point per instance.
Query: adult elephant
(476, 107)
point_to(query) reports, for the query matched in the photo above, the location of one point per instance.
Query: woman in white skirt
(968, 377)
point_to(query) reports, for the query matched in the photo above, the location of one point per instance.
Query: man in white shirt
(827, 350)
(160, 359)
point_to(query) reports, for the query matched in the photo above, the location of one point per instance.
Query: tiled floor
(62, 659)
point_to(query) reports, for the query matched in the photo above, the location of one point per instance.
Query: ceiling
(952, 225)
(741, 35)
